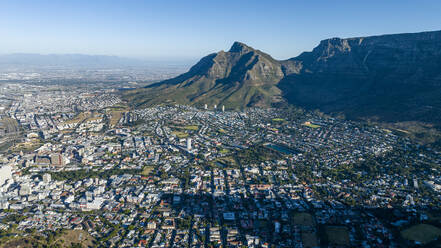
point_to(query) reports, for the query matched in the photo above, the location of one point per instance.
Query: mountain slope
(241, 77)
(391, 78)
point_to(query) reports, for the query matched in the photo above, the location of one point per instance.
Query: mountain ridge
(241, 77)
(394, 77)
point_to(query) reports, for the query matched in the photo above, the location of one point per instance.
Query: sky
(194, 28)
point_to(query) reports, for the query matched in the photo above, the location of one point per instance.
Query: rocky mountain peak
(239, 47)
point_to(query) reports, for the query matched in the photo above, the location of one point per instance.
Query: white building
(188, 144)
(5, 174)
(415, 183)
(95, 204)
(25, 189)
(4, 204)
(47, 178)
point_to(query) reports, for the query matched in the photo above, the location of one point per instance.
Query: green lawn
(309, 239)
(228, 161)
(303, 219)
(192, 127)
(337, 235)
(422, 233)
(308, 124)
(224, 151)
(146, 170)
(179, 134)
(278, 119)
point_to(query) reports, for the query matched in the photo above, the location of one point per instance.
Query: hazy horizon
(138, 58)
(176, 29)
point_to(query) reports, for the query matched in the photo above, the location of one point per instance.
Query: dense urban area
(80, 167)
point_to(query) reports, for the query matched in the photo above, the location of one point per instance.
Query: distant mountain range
(30, 59)
(390, 78)
(26, 60)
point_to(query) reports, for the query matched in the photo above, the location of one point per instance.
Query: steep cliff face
(390, 77)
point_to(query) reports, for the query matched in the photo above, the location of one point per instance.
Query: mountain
(391, 78)
(241, 77)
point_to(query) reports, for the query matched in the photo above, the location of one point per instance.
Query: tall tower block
(188, 144)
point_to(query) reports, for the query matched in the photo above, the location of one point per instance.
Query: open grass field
(338, 235)
(309, 239)
(146, 170)
(422, 233)
(309, 124)
(26, 146)
(116, 113)
(224, 151)
(120, 107)
(10, 125)
(66, 239)
(422, 132)
(93, 118)
(303, 219)
(19, 242)
(179, 134)
(278, 119)
(79, 118)
(434, 216)
(115, 116)
(191, 127)
(228, 161)
(70, 237)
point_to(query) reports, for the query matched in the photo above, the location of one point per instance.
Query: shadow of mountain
(261, 219)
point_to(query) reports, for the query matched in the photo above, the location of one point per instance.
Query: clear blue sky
(193, 28)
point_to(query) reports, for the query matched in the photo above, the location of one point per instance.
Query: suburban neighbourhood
(81, 166)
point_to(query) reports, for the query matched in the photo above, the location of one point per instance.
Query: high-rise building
(188, 144)
(215, 106)
(205, 106)
(223, 108)
(415, 183)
